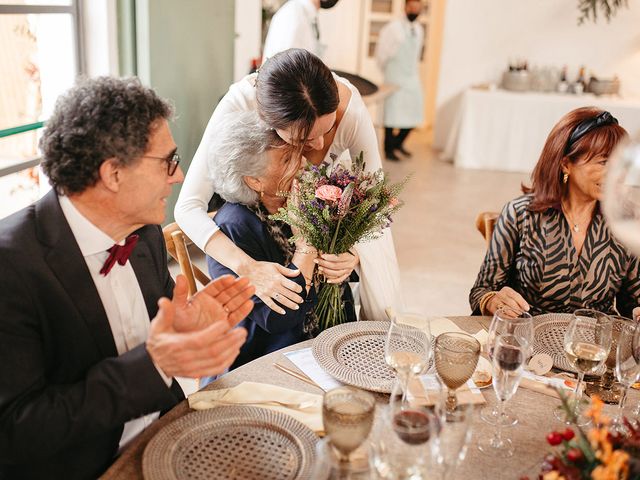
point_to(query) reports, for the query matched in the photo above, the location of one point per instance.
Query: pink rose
(393, 202)
(329, 193)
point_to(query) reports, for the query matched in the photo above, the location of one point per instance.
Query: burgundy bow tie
(119, 253)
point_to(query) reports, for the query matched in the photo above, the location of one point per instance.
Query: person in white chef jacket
(398, 55)
(295, 25)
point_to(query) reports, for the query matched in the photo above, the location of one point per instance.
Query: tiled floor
(439, 249)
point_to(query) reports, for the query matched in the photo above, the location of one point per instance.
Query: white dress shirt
(120, 294)
(294, 25)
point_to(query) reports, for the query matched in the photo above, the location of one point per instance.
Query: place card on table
(306, 362)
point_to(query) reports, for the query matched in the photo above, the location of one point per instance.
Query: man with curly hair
(83, 370)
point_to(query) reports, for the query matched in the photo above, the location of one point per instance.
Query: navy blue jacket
(268, 331)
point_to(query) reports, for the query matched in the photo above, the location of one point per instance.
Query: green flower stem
(329, 309)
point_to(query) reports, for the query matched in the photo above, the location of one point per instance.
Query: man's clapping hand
(194, 337)
(225, 298)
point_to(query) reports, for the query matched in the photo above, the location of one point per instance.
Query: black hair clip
(585, 126)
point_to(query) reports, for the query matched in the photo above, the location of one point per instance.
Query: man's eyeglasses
(172, 162)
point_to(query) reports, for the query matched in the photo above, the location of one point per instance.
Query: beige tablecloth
(534, 410)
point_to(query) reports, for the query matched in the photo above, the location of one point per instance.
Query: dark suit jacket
(268, 331)
(65, 394)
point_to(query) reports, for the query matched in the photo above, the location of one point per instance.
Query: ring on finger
(276, 296)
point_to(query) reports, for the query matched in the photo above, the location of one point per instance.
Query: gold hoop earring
(261, 194)
(565, 177)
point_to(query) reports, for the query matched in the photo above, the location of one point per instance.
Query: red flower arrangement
(597, 454)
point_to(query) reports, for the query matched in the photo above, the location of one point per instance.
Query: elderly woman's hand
(507, 297)
(271, 282)
(337, 268)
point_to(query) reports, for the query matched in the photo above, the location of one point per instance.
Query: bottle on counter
(563, 85)
(582, 78)
(580, 84)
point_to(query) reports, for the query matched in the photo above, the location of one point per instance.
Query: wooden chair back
(177, 243)
(485, 223)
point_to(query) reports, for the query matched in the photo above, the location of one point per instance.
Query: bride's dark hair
(293, 89)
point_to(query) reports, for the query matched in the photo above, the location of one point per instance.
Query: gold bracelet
(484, 300)
(307, 252)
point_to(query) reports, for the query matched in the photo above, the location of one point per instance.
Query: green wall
(184, 50)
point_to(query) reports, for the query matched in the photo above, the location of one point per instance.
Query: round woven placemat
(231, 443)
(548, 337)
(354, 354)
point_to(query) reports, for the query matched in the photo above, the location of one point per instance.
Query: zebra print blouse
(533, 253)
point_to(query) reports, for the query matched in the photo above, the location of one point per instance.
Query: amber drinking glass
(456, 358)
(347, 416)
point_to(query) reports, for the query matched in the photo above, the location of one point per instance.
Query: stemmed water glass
(621, 196)
(509, 355)
(587, 341)
(627, 371)
(407, 347)
(635, 345)
(347, 416)
(450, 440)
(606, 388)
(514, 322)
(456, 358)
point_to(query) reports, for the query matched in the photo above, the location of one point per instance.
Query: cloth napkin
(439, 325)
(544, 385)
(424, 395)
(259, 395)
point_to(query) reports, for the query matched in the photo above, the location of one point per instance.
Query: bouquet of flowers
(597, 454)
(334, 207)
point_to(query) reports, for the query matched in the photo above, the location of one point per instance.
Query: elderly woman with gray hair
(252, 169)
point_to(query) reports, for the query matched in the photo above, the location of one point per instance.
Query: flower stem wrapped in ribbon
(334, 208)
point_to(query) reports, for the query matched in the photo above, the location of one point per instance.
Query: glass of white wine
(587, 341)
(407, 347)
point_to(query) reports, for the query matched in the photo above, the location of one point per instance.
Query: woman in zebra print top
(551, 250)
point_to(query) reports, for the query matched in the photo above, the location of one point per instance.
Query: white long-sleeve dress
(379, 272)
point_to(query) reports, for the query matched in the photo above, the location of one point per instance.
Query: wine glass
(506, 320)
(328, 466)
(412, 427)
(635, 345)
(509, 356)
(606, 389)
(456, 355)
(627, 371)
(621, 195)
(587, 341)
(451, 439)
(347, 416)
(407, 347)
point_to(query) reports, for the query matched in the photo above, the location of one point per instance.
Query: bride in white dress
(322, 114)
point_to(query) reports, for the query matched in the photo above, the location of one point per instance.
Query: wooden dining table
(534, 412)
